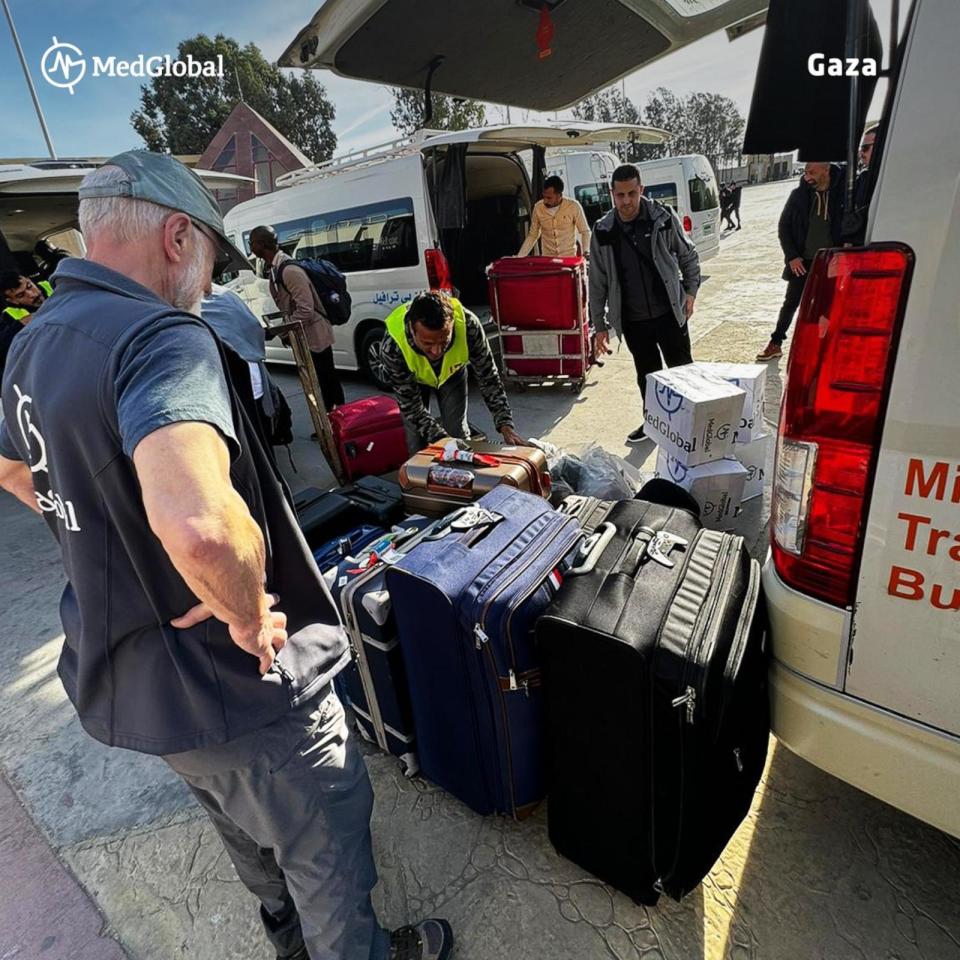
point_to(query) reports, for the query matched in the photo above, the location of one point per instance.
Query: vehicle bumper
(908, 765)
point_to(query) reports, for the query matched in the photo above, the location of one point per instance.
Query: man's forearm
(222, 558)
(532, 236)
(17, 479)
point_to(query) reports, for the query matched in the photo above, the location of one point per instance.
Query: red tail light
(687, 224)
(438, 271)
(838, 379)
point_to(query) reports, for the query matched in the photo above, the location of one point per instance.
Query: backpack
(331, 287)
(280, 424)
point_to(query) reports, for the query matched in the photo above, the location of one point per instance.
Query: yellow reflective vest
(19, 313)
(456, 357)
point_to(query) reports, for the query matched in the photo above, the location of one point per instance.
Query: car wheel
(371, 347)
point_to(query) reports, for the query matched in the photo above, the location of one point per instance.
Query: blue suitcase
(465, 600)
(332, 553)
(374, 682)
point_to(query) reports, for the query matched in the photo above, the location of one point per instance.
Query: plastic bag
(606, 476)
(593, 473)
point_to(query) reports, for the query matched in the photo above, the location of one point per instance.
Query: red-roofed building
(252, 147)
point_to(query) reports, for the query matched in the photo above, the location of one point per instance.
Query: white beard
(189, 287)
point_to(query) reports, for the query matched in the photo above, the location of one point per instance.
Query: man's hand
(688, 307)
(512, 438)
(602, 342)
(262, 639)
(797, 268)
(16, 478)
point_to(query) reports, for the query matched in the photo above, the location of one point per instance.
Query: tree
(182, 114)
(449, 113)
(706, 123)
(611, 106)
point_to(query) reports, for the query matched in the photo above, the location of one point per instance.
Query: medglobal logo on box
(64, 65)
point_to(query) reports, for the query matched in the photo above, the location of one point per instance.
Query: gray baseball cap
(164, 180)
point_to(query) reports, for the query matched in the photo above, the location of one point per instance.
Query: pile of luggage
(608, 656)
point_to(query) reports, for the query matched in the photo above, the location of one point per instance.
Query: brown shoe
(770, 352)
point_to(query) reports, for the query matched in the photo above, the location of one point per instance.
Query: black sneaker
(430, 940)
(301, 954)
(637, 436)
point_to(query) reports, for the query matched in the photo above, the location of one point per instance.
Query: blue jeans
(292, 804)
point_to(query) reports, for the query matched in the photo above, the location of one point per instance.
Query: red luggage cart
(540, 305)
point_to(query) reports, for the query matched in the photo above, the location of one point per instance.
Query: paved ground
(818, 870)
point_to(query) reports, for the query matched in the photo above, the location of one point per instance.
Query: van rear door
(704, 205)
(904, 651)
(491, 52)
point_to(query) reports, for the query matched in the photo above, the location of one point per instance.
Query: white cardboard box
(718, 486)
(692, 414)
(755, 456)
(753, 378)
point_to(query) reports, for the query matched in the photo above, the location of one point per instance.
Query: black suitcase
(654, 682)
(324, 515)
(589, 511)
(380, 501)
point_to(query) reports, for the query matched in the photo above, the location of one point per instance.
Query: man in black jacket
(810, 220)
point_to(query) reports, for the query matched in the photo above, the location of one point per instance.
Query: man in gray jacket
(644, 277)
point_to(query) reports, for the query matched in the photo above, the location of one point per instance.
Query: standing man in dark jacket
(810, 220)
(179, 547)
(644, 278)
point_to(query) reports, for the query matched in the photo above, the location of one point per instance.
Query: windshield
(664, 192)
(595, 200)
(703, 194)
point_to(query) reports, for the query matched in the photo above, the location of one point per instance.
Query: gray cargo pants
(452, 399)
(292, 804)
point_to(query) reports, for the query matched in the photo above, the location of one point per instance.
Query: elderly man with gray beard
(180, 549)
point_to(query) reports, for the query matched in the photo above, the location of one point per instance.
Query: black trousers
(330, 387)
(791, 301)
(648, 339)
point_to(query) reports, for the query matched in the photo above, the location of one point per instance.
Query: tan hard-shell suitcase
(426, 489)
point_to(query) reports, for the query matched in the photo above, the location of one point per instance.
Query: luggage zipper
(481, 642)
(737, 648)
(478, 630)
(690, 696)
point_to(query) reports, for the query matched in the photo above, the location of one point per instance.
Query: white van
(586, 177)
(429, 211)
(863, 580)
(38, 201)
(688, 185)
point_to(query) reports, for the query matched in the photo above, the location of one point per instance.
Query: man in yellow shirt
(556, 222)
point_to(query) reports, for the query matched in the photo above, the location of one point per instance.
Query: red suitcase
(370, 436)
(538, 293)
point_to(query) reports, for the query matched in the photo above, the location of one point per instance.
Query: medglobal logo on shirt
(64, 65)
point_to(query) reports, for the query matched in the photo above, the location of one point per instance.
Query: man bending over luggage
(429, 344)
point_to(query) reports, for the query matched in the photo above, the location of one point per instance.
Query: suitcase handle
(471, 517)
(593, 547)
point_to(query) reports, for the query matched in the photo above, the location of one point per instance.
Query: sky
(95, 119)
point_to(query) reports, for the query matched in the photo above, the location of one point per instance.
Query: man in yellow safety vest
(430, 343)
(22, 299)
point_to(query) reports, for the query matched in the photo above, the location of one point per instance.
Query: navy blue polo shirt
(103, 365)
